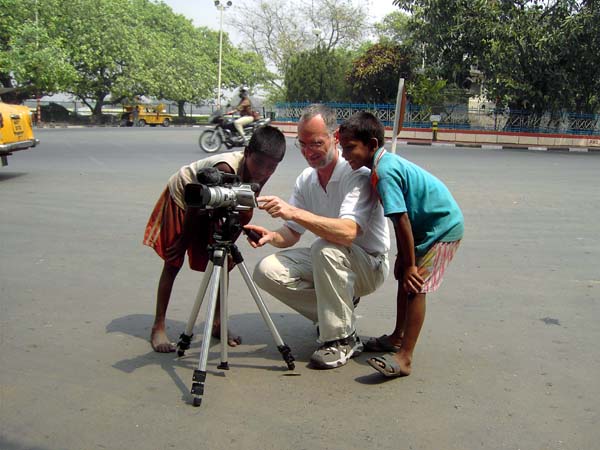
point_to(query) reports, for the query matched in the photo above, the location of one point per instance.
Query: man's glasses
(314, 146)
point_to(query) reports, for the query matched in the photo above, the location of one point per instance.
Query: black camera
(216, 189)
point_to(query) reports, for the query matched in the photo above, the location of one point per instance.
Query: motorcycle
(224, 132)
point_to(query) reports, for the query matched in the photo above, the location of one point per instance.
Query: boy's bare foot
(232, 341)
(160, 341)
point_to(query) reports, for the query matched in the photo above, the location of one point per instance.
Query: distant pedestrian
(136, 115)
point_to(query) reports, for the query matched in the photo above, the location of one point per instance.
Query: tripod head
(230, 226)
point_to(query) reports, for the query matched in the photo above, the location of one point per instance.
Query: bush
(53, 112)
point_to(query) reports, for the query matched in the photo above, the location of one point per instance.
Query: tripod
(215, 277)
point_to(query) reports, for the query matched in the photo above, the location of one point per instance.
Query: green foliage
(31, 51)
(112, 50)
(374, 75)
(394, 28)
(280, 30)
(318, 75)
(423, 90)
(533, 55)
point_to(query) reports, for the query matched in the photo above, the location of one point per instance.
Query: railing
(452, 117)
(458, 117)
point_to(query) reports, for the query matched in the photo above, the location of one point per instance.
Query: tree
(186, 59)
(107, 51)
(318, 75)
(279, 29)
(374, 75)
(394, 28)
(105, 43)
(31, 52)
(529, 52)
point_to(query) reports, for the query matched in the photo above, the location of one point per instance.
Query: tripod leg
(199, 376)
(224, 340)
(185, 338)
(283, 348)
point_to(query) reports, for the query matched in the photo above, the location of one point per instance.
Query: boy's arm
(405, 268)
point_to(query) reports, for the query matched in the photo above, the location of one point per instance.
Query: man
(349, 258)
(244, 108)
(174, 229)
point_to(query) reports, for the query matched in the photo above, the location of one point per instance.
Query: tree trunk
(181, 108)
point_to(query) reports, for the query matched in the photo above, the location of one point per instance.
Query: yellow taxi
(146, 115)
(16, 131)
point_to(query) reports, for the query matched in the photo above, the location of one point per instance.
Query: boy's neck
(372, 160)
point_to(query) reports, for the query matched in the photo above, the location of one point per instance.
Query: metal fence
(77, 111)
(453, 117)
(459, 117)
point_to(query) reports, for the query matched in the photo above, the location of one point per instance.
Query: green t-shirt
(404, 187)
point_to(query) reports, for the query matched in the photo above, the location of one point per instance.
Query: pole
(399, 117)
(220, 57)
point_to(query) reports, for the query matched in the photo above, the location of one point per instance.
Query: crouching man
(349, 258)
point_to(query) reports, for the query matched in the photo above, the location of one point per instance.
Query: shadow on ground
(257, 342)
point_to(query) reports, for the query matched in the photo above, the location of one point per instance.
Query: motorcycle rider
(244, 107)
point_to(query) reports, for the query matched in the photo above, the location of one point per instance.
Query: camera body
(220, 190)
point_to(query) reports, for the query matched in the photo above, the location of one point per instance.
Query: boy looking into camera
(174, 229)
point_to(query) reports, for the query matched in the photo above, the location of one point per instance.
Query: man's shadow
(292, 328)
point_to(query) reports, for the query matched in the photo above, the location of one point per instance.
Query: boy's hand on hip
(412, 281)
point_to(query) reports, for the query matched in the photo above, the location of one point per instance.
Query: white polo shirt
(348, 196)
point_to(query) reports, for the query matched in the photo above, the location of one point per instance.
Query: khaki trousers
(319, 282)
(241, 122)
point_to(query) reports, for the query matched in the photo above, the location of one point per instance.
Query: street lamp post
(221, 6)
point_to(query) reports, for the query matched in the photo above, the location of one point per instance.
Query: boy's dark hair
(269, 141)
(364, 126)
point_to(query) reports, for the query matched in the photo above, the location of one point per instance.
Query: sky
(204, 12)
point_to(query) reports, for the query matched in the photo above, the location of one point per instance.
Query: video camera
(216, 189)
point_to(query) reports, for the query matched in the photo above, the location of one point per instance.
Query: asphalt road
(507, 358)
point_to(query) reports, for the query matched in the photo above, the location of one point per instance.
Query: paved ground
(508, 356)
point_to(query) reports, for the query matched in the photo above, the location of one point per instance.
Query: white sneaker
(334, 354)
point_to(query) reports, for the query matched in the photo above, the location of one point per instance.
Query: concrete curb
(62, 126)
(503, 147)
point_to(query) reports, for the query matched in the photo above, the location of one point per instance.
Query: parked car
(16, 130)
(147, 115)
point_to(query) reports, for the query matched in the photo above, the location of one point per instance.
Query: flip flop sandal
(386, 365)
(381, 344)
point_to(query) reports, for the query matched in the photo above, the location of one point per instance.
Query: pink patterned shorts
(434, 263)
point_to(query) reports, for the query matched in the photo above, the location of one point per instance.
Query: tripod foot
(286, 353)
(197, 391)
(183, 344)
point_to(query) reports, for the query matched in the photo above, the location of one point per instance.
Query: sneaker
(334, 354)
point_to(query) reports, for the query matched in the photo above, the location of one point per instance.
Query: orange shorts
(165, 227)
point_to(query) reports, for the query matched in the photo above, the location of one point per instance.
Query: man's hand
(266, 236)
(276, 207)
